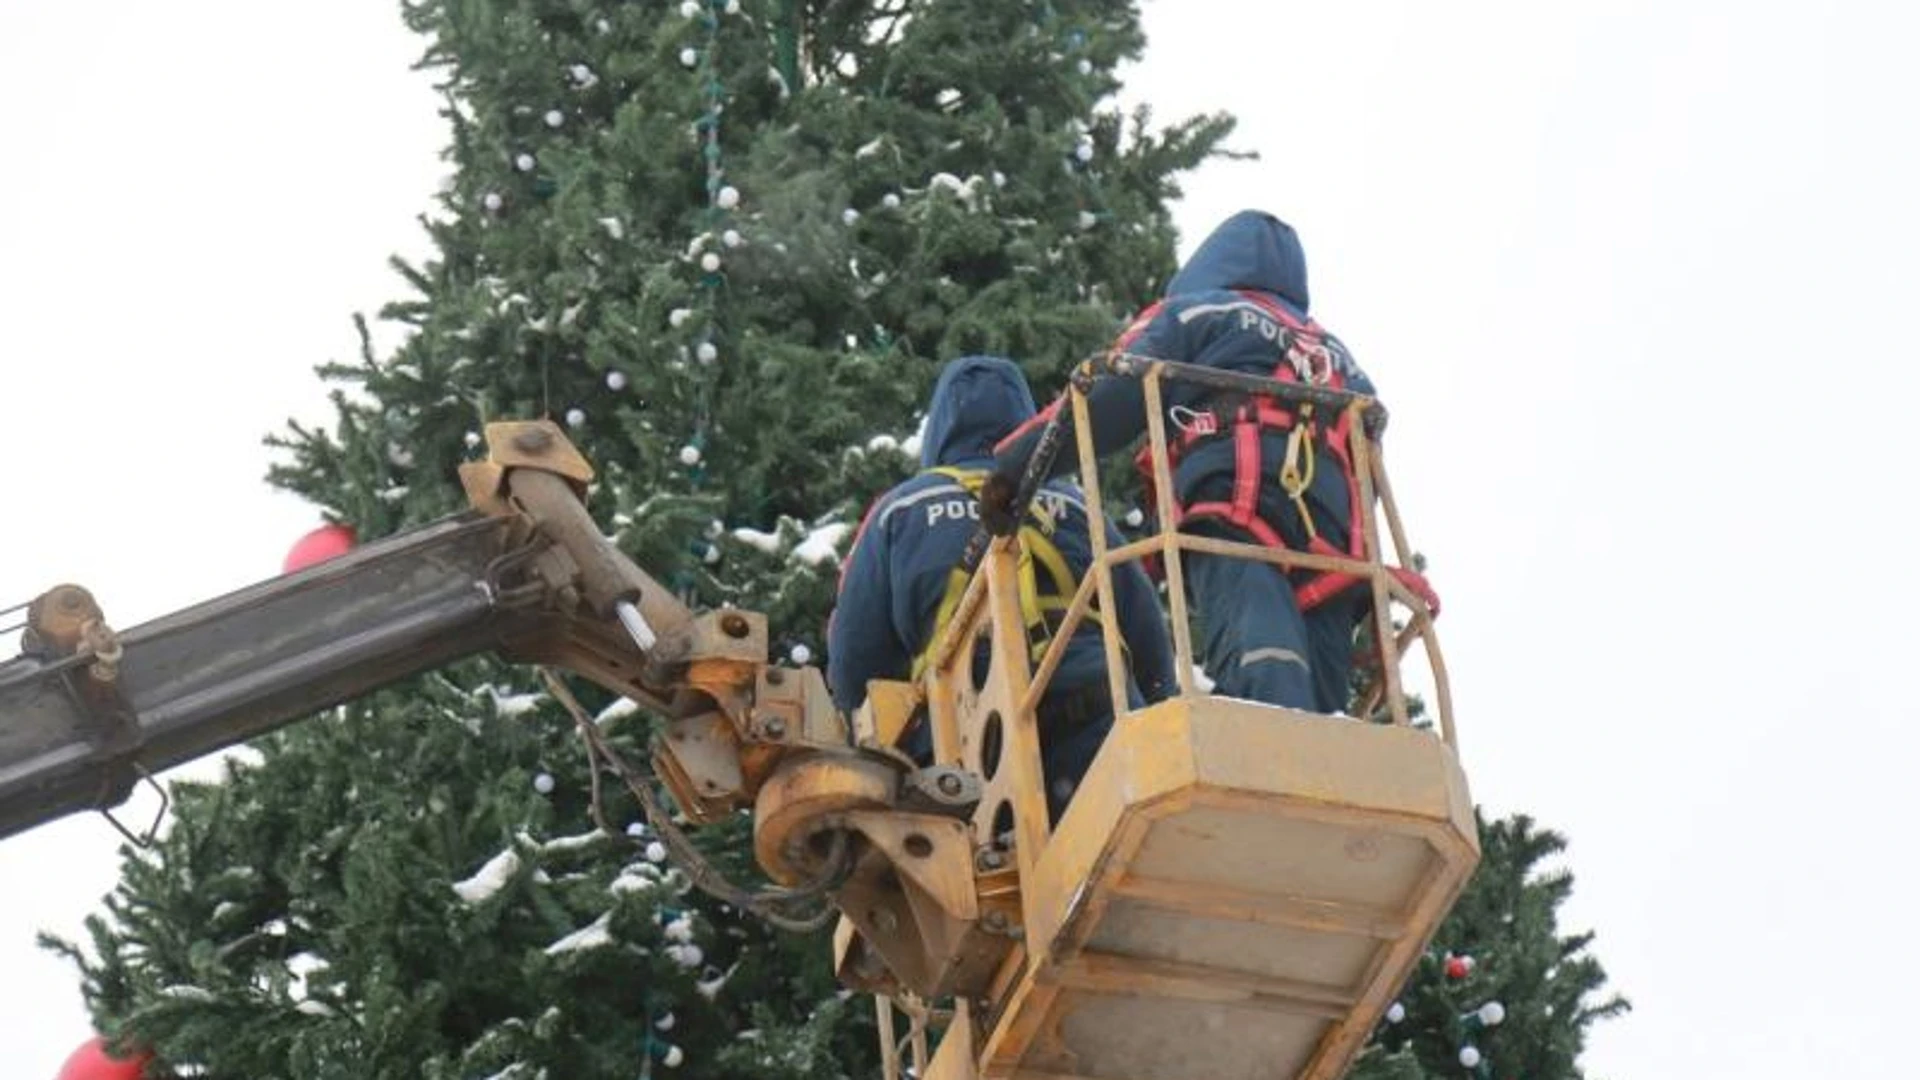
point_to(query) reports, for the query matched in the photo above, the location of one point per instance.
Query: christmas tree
(1500, 992)
(728, 243)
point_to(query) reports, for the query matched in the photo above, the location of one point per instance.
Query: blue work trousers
(1256, 644)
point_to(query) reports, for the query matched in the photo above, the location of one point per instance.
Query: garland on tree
(834, 199)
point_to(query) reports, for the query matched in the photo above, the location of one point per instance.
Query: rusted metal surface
(602, 574)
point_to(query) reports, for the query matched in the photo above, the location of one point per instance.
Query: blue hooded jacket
(915, 534)
(1204, 320)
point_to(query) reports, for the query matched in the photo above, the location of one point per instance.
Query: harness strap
(1326, 584)
(1304, 360)
(1329, 585)
(1138, 326)
(1258, 526)
(1039, 611)
(1246, 472)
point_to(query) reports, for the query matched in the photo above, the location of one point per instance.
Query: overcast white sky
(1631, 275)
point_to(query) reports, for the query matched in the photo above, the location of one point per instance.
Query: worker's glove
(1374, 421)
(997, 511)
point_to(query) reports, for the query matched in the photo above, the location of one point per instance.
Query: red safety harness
(1308, 358)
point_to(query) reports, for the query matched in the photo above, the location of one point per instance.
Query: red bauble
(1458, 966)
(323, 543)
(93, 1062)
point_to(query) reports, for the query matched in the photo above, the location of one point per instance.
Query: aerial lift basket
(1237, 890)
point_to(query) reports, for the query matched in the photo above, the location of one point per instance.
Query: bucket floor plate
(1236, 893)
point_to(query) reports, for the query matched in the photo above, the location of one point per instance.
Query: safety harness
(1040, 609)
(1309, 358)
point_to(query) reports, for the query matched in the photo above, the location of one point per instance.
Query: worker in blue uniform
(899, 581)
(1254, 470)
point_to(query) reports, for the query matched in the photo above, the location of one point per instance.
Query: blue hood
(978, 401)
(1250, 250)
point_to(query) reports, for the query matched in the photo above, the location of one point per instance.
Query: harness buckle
(1312, 361)
(1194, 422)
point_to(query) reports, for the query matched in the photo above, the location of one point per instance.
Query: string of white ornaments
(719, 234)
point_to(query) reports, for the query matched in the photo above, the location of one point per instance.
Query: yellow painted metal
(929, 851)
(1102, 571)
(953, 1058)
(1237, 890)
(1164, 508)
(910, 897)
(515, 444)
(800, 797)
(884, 716)
(1019, 765)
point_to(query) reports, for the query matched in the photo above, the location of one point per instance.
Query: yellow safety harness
(1041, 610)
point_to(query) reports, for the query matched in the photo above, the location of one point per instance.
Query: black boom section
(221, 672)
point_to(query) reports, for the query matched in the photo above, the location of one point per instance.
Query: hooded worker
(899, 583)
(1246, 469)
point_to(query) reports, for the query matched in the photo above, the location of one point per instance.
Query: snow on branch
(768, 542)
(561, 844)
(636, 877)
(621, 707)
(510, 705)
(822, 544)
(519, 1070)
(489, 879)
(594, 935)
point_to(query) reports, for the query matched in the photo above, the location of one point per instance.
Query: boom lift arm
(1236, 890)
(86, 712)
